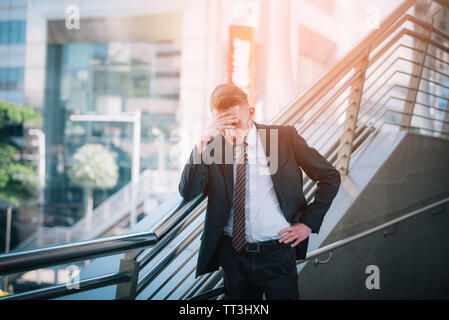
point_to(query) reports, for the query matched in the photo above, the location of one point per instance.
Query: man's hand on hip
(297, 233)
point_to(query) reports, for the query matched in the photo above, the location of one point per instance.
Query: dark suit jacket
(216, 181)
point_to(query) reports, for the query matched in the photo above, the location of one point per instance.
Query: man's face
(244, 114)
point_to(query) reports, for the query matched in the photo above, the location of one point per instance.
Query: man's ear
(252, 112)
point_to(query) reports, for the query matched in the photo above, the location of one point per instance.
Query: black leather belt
(261, 246)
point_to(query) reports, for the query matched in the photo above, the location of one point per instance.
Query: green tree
(17, 178)
(93, 166)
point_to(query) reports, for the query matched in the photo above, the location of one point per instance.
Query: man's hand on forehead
(225, 114)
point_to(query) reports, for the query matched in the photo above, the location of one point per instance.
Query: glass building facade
(106, 78)
(12, 32)
(440, 100)
(11, 79)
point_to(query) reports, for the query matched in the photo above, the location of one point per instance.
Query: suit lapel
(227, 169)
(265, 140)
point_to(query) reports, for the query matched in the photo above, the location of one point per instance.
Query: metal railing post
(7, 240)
(352, 112)
(419, 55)
(127, 290)
(445, 127)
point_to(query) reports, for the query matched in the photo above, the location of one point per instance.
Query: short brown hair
(226, 95)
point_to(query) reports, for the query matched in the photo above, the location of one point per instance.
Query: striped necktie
(238, 225)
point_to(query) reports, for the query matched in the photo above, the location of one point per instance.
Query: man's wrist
(304, 220)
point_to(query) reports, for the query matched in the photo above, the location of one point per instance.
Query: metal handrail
(338, 244)
(308, 123)
(166, 226)
(174, 252)
(78, 230)
(180, 219)
(304, 110)
(198, 282)
(373, 104)
(60, 254)
(326, 81)
(206, 284)
(54, 255)
(209, 294)
(174, 273)
(64, 289)
(345, 241)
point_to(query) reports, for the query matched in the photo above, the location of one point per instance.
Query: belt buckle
(249, 247)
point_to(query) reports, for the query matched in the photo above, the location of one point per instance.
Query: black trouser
(248, 275)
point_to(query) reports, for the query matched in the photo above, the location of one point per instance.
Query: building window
(110, 78)
(11, 79)
(12, 32)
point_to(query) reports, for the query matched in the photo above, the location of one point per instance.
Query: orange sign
(241, 59)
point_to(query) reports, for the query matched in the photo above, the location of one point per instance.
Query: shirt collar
(252, 135)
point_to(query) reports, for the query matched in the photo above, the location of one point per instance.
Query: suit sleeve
(195, 176)
(318, 169)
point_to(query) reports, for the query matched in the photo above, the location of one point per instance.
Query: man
(257, 221)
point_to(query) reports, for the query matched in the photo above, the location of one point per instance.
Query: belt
(261, 246)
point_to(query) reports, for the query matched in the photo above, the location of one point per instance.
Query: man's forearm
(326, 191)
(318, 169)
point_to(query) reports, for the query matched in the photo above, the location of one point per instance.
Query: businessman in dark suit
(257, 221)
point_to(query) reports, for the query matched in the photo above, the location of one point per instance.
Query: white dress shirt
(263, 215)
